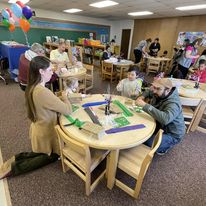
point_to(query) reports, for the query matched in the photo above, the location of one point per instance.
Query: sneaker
(162, 152)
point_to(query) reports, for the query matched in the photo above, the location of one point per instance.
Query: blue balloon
(17, 10)
(27, 12)
(5, 14)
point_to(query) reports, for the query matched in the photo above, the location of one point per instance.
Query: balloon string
(26, 37)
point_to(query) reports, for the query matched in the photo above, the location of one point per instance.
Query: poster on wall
(191, 36)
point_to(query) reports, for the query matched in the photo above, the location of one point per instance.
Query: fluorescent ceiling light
(102, 4)
(72, 10)
(14, 1)
(194, 7)
(140, 13)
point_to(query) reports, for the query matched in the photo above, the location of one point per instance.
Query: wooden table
(73, 72)
(123, 64)
(162, 60)
(186, 88)
(113, 142)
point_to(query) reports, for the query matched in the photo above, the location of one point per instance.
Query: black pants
(138, 55)
(29, 161)
(184, 70)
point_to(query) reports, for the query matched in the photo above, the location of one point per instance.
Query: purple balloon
(27, 12)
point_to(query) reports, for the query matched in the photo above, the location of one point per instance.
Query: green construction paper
(121, 121)
(74, 107)
(76, 122)
(126, 112)
(138, 109)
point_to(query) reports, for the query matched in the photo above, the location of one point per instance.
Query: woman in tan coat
(42, 108)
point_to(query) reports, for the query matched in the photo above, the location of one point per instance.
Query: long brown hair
(36, 64)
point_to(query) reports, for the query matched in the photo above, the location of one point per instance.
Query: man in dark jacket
(165, 107)
(154, 47)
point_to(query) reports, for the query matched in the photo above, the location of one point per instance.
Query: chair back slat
(189, 101)
(76, 146)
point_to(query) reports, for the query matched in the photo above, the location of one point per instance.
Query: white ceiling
(160, 8)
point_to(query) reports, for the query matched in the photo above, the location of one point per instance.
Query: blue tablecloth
(13, 54)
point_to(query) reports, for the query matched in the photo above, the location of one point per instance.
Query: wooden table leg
(112, 168)
(121, 73)
(60, 84)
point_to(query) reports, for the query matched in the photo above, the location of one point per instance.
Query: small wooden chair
(200, 117)
(188, 112)
(135, 162)
(108, 71)
(153, 66)
(82, 82)
(80, 158)
(89, 76)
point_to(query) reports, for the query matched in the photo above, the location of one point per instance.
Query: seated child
(130, 86)
(164, 53)
(200, 74)
(71, 85)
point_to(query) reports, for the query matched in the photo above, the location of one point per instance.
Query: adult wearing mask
(24, 62)
(42, 108)
(154, 48)
(141, 49)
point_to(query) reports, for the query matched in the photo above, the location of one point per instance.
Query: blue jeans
(167, 142)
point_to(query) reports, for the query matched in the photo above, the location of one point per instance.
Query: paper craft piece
(76, 122)
(74, 108)
(128, 101)
(92, 115)
(90, 104)
(123, 129)
(121, 121)
(113, 109)
(96, 130)
(126, 112)
(75, 98)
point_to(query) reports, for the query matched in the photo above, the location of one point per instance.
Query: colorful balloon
(27, 12)
(11, 20)
(16, 19)
(24, 24)
(17, 10)
(5, 22)
(10, 12)
(12, 27)
(5, 14)
(30, 20)
(20, 4)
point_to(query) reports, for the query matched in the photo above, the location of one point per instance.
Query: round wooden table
(73, 72)
(122, 65)
(115, 141)
(186, 88)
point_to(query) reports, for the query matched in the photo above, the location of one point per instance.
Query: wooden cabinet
(90, 53)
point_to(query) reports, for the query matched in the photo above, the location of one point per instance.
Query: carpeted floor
(175, 179)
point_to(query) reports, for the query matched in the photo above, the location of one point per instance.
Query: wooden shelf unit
(89, 52)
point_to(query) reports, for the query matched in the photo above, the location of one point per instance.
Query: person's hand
(197, 56)
(140, 102)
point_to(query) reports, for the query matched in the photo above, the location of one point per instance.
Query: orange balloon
(24, 24)
(12, 27)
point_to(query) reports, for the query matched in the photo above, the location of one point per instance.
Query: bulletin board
(191, 36)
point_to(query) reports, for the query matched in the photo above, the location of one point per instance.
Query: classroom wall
(59, 21)
(116, 30)
(167, 30)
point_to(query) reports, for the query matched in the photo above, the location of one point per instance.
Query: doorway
(125, 42)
